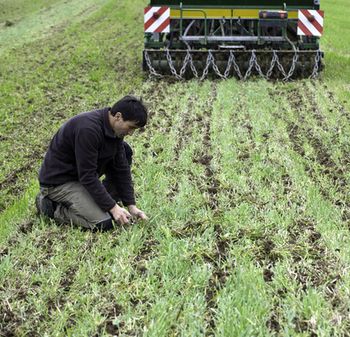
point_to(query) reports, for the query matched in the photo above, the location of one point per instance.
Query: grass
(245, 185)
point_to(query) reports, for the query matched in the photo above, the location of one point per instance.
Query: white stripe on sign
(160, 24)
(318, 17)
(308, 25)
(310, 22)
(149, 14)
(312, 17)
(159, 21)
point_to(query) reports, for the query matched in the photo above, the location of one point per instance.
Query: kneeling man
(86, 147)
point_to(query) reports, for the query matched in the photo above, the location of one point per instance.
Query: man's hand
(120, 215)
(137, 213)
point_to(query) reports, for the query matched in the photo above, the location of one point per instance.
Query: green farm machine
(275, 39)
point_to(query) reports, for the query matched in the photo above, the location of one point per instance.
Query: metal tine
(235, 65)
(251, 65)
(315, 71)
(193, 67)
(292, 68)
(151, 69)
(257, 66)
(171, 64)
(273, 63)
(279, 65)
(208, 63)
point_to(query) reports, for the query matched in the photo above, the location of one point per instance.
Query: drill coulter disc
(270, 64)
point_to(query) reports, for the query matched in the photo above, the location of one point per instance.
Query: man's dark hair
(132, 109)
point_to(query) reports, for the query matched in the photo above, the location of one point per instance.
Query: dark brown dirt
(3, 253)
(26, 227)
(185, 128)
(273, 323)
(65, 284)
(147, 252)
(304, 326)
(9, 320)
(158, 93)
(108, 325)
(173, 191)
(287, 183)
(190, 229)
(219, 276)
(324, 268)
(294, 136)
(298, 102)
(212, 185)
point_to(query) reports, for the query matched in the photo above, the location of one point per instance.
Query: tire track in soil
(325, 269)
(219, 258)
(160, 119)
(321, 272)
(296, 131)
(147, 252)
(218, 278)
(188, 122)
(204, 157)
(267, 258)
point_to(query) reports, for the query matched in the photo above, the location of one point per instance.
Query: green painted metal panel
(238, 3)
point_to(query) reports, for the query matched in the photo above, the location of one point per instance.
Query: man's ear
(118, 116)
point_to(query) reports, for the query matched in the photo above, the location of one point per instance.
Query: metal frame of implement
(198, 42)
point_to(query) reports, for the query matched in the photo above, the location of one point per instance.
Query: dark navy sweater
(83, 149)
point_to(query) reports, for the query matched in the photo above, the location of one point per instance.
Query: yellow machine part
(211, 13)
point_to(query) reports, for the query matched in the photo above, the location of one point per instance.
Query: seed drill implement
(274, 39)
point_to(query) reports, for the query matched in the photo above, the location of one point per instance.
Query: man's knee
(104, 225)
(128, 152)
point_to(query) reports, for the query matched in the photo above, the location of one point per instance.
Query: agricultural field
(246, 185)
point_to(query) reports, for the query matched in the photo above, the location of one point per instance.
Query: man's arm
(119, 175)
(87, 143)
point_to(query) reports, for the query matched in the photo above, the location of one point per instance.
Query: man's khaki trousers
(75, 205)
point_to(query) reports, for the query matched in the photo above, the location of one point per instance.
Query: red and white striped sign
(310, 22)
(157, 19)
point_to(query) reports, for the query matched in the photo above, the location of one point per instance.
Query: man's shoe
(45, 206)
